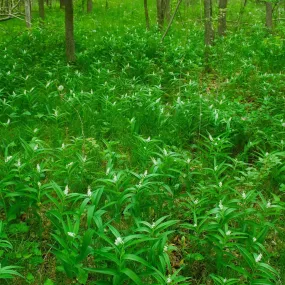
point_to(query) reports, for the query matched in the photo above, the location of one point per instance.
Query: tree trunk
(146, 15)
(159, 13)
(28, 17)
(163, 12)
(269, 12)
(61, 4)
(166, 10)
(89, 6)
(69, 33)
(209, 32)
(41, 10)
(222, 26)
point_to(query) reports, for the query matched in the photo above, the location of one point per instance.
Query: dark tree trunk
(69, 33)
(222, 26)
(269, 12)
(159, 14)
(146, 14)
(89, 6)
(61, 4)
(166, 10)
(41, 10)
(163, 12)
(28, 16)
(209, 32)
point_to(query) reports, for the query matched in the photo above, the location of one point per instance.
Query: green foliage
(133, 166)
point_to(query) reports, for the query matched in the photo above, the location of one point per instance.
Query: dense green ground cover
(134, 166)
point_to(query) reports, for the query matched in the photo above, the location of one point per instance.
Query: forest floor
(134, 165)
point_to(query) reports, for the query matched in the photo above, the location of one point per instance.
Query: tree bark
(61, 4)
(159, 14)
(269, 12)
(209, 32)
(69, 31)
(171, 20)
(146, 14)
(222, 26)
(163, 12)
(89, 6)
(41, 10)
(28, 16)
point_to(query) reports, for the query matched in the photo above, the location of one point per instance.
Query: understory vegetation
(134, 165)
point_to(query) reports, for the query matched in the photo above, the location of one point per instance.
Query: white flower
(66, 190)
(154, 161)
(69, 164)
(153, 225)
(254, 239)
(196, 201)
(220, 184)
(84, 158)
(168, 280)
(115, 179)
(268, 205)
(38, 168)
(221, 206)
(165, 248)
(8, 158)
(228, 233)
(18, 163)
(36, 147)
(71, 234)
(60, 88)
(195, 225)
(148, 139)
(188, 160)
(119, 241)
(89, 192)
(243, 195)
(225, 280)
(63, 146)
(258, 258)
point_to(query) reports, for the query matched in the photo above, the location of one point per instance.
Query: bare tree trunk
(61, 4)
(69, 31)
(166, 10)
(28, 16)
(41, 10)
(269, 12)
(171, 20)
(222, 26)
(163, 12)
(146, 14)
(209, 32)
(159, 11)
(89, 6)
